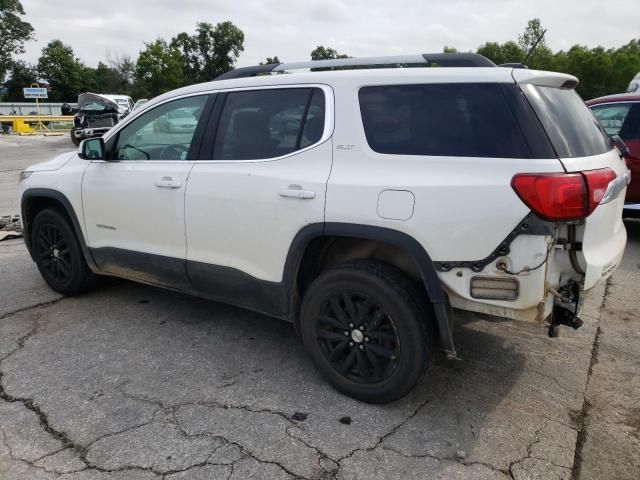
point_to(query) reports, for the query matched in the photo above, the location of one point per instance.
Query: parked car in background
(634, 85)
(140, 102)
(620, 115)
(97, 113)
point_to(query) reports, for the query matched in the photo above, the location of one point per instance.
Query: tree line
(211, 50)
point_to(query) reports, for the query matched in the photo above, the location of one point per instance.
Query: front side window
(269, 123)
(163, 133)
(612, 116)
(467, 120)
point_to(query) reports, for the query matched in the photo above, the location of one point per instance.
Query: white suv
(359, 203)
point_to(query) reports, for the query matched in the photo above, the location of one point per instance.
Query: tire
(365, 329)
(74, 139)
(58, 254)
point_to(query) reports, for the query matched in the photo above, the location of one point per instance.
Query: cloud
(292, 28)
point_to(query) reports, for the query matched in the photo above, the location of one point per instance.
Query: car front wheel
(58, 254)
(366, 330)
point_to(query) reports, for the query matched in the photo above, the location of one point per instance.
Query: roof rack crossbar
(426, 59)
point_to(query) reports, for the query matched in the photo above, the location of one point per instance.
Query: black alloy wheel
(365, 326)
(52, 253)
(58, 254)
(358, 337)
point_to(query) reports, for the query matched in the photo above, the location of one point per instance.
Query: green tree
(531, 34)
(326, 53)
(159, 69)
(508, 52)
(21, 75)
(125, 68)
(210, 52)
(14, 32)
(271, 60)
(447, 49)
(59, 66)
(108, 80)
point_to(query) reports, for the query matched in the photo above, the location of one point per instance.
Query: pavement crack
(535, 441)
(42, 417)
(445, 459)
(23, 339)
(586, 406)
(385, 436)
(30, 307)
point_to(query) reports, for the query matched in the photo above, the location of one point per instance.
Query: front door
(134, 202)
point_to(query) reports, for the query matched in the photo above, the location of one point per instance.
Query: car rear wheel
(58, 254)
(366, 330)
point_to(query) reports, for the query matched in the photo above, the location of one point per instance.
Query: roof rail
(426, 60)
(244, 72)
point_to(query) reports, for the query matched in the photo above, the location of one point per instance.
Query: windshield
(570, 125)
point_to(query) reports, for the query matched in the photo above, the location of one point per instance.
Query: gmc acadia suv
(359, 202)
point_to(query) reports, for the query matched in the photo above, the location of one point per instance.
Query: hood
(54, 164)
(88, 98)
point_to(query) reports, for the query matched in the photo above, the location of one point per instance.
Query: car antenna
(534, 46)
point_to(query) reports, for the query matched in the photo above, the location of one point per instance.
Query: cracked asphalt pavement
(133, 382)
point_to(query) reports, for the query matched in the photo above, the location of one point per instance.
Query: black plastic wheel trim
(53, 253)
(358, 338)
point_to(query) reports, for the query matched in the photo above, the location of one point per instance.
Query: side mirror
(66, 109)
(617, 142)
(92, 149)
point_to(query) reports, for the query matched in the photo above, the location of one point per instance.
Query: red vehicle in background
(620, 115)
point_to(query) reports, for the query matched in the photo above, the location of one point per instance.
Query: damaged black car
(96, 114)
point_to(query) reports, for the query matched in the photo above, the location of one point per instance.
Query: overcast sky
(292, 28)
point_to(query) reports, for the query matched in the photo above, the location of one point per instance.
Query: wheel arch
(307, 238)
(35, 200)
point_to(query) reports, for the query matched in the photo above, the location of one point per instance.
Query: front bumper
(82, 133)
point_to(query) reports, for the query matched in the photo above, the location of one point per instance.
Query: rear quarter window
(468, 120)
(569, 123)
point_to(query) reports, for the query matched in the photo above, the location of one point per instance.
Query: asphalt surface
(132, 382)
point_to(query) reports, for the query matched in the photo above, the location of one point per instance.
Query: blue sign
(32, 92)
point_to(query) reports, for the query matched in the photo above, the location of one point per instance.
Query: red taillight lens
(563, 196)
(597, 182)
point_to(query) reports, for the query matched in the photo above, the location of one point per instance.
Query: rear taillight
(598, 181)
(563, 196)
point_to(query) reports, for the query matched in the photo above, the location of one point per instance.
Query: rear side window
(572, 128)
(269, 123)
(468, 120)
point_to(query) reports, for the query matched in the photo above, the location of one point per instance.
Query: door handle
(293, 192)
(168, 182)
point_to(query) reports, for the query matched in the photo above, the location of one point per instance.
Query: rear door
(582, 145)
(260, 179)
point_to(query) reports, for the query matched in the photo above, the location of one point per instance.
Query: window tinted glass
(611, 117)
(269, 123)
(631, 128)
(164, 133)
(571, 126)
(471, 120)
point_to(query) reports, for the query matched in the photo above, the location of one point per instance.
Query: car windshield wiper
(127, 145)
